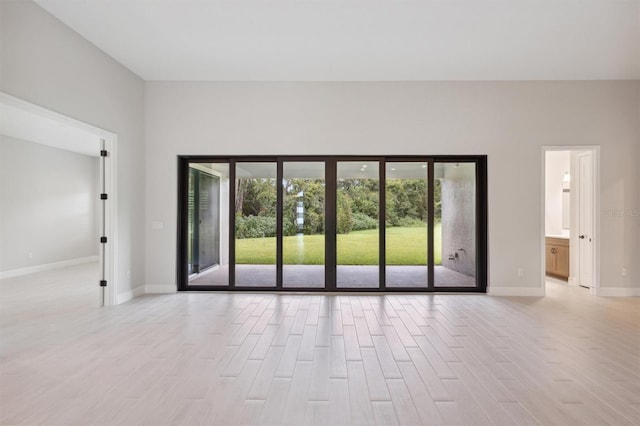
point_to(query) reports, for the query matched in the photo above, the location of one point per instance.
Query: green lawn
(405, 246)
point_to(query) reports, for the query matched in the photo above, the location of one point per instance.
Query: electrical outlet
(521, 272)
(624, 272)
(29, 255)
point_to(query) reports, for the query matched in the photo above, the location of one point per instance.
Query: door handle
(581, 237)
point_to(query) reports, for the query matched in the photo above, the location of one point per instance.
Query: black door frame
(481, 212)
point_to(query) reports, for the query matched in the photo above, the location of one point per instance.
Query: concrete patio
(348, 276)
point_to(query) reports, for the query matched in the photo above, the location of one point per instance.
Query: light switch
(157, 225)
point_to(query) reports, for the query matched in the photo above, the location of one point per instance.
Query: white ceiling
(29, 126)
(358, 40)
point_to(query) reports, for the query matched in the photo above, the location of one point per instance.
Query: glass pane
(406, 224)
(303, 221)
(208, 224)
(358, 239)
(191, 219)
(255, 224)
(455, 224)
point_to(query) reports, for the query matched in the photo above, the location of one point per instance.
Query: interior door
(585, 214)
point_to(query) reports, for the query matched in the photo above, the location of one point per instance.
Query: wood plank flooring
(299, 359)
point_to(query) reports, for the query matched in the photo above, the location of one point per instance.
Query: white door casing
(585, 219)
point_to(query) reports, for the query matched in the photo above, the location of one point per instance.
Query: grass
(405, 246)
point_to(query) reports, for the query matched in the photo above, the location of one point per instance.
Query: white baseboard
(164, 288)
(618, 291)
(515, 291)
(131, 294)
(47, 267)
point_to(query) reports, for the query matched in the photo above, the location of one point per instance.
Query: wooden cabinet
(557, 257)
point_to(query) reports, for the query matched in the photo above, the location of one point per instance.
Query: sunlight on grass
(405, 246)
(408, 246)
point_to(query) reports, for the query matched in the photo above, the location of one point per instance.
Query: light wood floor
(213, 358)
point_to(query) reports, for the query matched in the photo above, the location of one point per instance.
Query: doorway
(26, 123)
(332, 223)
(569, 216)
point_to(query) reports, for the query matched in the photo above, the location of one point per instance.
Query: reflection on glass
(208, 224)
(406, 224)
(357, 221)
(255, 224)
(303, 217)
(455, 220)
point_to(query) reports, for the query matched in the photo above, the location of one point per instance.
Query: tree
(241, 188)
(256, 197)
(344, 217)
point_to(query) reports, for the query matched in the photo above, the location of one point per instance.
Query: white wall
(556, 164)
(508, 121)
(44, 62)
(47, 205)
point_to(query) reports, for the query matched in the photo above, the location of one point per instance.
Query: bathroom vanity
(557, 256)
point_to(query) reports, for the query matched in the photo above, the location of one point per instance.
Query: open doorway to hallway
(570, 230)
(57, 198)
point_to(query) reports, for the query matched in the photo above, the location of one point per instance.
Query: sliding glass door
(358, 224)
(455, 216)
(303, 224)
(333, 223)
(407, 228)
(255, 222)
(207, 224)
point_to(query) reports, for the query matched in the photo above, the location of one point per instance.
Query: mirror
(565, 209)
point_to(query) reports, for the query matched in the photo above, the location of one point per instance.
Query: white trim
(515, 291)
(5, 98)
(595, 149)
(618, 292)
(48, 266)
(162, 288)
(132, 294)
(111, 139)
(111, 262)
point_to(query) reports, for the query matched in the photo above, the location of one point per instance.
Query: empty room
(407, 212)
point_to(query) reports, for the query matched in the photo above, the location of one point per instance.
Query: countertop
(564, 237)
